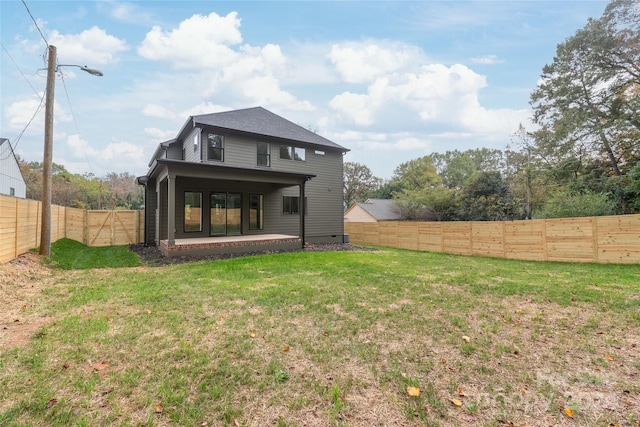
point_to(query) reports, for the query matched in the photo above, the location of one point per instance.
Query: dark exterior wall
(273, 218)
(324, 220)
(150, 206)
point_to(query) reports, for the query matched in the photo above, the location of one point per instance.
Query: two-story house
(241, 181)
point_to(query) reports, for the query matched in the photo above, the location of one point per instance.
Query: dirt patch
(150, 255)
(22, 281)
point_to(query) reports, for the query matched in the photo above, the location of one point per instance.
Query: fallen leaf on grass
(461, 391)
(252, 335)
(285, 348)
(456, 402)
(158, 409)
(52, 402)
(466, 338)
(568, 412)
(413, 391)
(100, 366)
(609, 357)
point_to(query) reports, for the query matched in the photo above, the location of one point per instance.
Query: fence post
(545, 248)
(85, 228)
(594, 228)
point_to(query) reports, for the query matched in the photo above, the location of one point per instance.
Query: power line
(17, 139)
(73, 116)
(21, 73)
(35, 23)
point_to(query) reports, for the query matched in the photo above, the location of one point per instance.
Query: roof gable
(259, 121)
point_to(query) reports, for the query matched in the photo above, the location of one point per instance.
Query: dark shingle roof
(381, 209)
(259, 121)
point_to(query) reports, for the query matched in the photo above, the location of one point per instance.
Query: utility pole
(45, 229)
(47, 163)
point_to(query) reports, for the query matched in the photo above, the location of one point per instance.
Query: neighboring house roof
(381, 209)
(258, 121)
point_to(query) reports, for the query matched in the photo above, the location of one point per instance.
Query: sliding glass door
(226, 214)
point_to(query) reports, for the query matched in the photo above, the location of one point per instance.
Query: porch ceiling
(224, 172)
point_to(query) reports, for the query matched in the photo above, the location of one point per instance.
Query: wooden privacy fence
(20, 221)
(607, 239)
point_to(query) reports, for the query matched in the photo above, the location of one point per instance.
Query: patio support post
(302, 212)
(171, 205)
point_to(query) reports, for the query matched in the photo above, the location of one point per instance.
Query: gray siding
(272, 199)
(150, 212)
(192, 147)
(324, 220)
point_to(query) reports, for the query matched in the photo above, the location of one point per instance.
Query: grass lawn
(392, 337)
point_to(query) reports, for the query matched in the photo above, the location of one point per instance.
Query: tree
(565, 204)
(457, 167)
(487, 197)
(427, 202)
(359, 183)
(417, 174)
(587, 104)
(388, 189)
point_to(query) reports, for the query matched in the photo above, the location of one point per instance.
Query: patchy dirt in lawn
(22, 281)
(150, 255)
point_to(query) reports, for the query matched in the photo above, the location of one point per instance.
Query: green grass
(329, 338)
(71, 255)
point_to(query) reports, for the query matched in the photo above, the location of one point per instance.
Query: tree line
(84, 191)
(582, 159)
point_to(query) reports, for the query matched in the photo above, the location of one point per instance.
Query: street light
(45, 229)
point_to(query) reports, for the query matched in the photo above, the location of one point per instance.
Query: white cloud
(203, 108)
(487, 60)
(119, 150)
(366, 61)
(434, 96)
(391, 142)
(91, 47)
(198, 42)
(355, 107)
(20, 115)
(159, 134)
(210, 47)
(158, 111)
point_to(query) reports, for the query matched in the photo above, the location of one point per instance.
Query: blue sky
(391, 81)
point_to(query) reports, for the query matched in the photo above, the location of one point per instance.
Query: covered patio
(231, 244)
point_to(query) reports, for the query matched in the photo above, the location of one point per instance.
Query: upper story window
(215, 147)
(264, 154)
(195, 143)
(292, 153)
